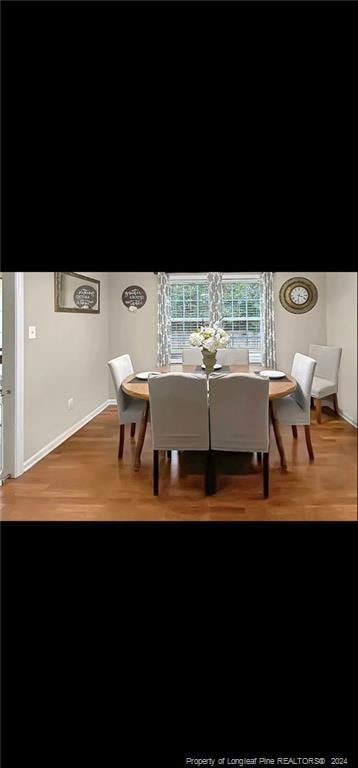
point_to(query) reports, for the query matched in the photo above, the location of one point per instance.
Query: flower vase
(209, 360)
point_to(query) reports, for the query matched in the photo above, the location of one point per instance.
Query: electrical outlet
(70, 404)
(32, 331)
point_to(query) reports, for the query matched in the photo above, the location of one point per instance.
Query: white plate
(216, 366)
(273, 374)
(144, 375)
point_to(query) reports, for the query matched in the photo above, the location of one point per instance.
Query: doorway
(1, 417)
(12, 375)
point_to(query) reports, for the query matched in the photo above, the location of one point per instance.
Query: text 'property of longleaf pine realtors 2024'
(213, 762)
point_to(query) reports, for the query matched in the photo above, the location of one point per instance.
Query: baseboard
(343, 415)
(347, 418)
(64, 436)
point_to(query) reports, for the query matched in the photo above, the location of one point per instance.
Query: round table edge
(144, 395)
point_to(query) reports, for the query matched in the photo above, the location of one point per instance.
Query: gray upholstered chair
(295, 409)
(179, 416)
(325, 380)
(130, 409)
(239, 416)
(192, 356)
(234, 356)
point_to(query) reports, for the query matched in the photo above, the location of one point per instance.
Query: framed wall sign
(134, 297)
(76, 293)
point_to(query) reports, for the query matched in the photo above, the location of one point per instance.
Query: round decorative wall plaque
(298, 295)
(85, 297)
(134, 297)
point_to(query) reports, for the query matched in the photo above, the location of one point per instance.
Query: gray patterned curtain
(268, 320)
(163, 318)
(215, 296)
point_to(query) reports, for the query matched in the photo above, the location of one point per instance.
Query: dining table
(280, 387)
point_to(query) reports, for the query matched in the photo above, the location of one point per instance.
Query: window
(189, 309)
(242, 313)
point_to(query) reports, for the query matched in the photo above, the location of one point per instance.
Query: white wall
(0, 322)
(0, 310)
(66, 360)
(341, 288)
(133, 332)
(296, 332)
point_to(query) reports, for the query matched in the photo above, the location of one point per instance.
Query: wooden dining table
(277, 388)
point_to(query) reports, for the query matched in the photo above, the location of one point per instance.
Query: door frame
(19, 362)
(14, 378)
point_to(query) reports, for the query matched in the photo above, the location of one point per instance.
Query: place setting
(144, 375)
(272, 374)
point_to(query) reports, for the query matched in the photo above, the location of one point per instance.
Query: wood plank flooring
(83, 480)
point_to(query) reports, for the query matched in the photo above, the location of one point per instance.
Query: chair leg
(259, 458)
(318, 409)
(121, 441)
(141, 437)
(294, 431)
(133, 429)
(210, 479)
(169, 455)
(278, 437)
(335, 403)
(266, 475)
(155, 473)
(308, 442)
(312, 403)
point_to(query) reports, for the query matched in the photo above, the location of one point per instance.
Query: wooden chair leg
(294, 431)
(133, 429)
(277, 432)
(212, 473)
(259, 458)
(335, 403)
(319, 413)
(308, 442)
(266, 475)
(312, 403)
(121, 441)
(210, 478)
(155, 473)
(141, 436)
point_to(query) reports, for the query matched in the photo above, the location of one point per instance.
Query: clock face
(298, 295)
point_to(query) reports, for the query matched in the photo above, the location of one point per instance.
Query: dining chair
(295, 409)
(234, 356)
(239, 416)
(325, 380)
(179, 417)
(192, 356)
(130, 409)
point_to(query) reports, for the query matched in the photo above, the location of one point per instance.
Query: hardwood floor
(83, 480)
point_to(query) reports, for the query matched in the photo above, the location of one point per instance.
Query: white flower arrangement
(210, 338)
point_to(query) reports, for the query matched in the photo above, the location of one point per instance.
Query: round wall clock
(298, 295)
